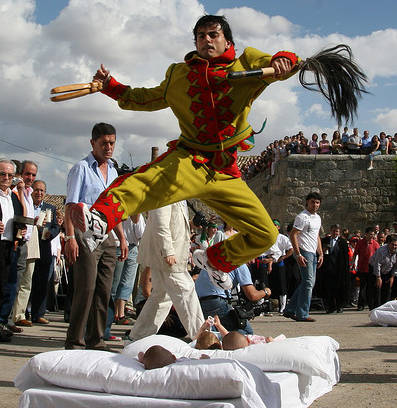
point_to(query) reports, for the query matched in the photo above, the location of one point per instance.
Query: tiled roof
(241, 160)
(57, 200)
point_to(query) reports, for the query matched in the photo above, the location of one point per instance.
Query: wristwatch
(67, 237)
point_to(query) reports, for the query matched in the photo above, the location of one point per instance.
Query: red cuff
(285, 54)
(114, 89)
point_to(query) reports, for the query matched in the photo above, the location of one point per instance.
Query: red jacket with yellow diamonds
(212, 110)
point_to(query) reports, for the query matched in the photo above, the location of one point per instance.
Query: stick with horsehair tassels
(336, 76)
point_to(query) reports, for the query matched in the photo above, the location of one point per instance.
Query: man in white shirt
(10, 206)
(29, 252)
(306, 242)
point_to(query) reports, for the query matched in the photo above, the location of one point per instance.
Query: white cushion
(309, 355)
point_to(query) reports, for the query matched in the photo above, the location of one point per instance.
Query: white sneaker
(217, 277)
(90, 224)
(370, 168)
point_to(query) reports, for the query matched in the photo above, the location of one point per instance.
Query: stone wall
(352, 196)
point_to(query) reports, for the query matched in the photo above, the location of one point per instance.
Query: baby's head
(234, 340)
(208, 341)
(156, 357)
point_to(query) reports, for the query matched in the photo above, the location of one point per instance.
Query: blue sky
(138, 39)
(351, 17)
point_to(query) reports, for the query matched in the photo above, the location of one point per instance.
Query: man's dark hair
(335, 226)
(391, 238)
(314, 195)
(102, 129)
(209, 20)
(369, 229)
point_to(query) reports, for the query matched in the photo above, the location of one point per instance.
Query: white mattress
(286, 389)
(303, 370)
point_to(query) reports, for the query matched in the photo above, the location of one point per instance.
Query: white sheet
(285, 391)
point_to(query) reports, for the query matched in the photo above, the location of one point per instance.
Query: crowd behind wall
(344, 143)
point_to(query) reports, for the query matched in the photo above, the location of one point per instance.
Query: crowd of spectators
(344, 143)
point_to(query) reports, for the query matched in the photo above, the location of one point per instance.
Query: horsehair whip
(336, 76)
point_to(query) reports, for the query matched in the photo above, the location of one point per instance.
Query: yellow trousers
(175, 176)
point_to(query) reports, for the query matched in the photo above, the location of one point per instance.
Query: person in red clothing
(365, 248)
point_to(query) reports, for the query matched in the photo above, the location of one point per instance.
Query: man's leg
(307, 284)
(155, 310)
(25, 268)
(96, 323)
(174, 177)
(362, 297)
(84, 281)
(235, 203)
(180, 287)
(128, 276)
(40, 287)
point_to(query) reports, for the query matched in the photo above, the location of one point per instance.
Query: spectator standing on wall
(366, 143)
(294, 145)
(354, 143)
(365, 248)
(313, 145)
(384, 143)
(393, 145)
(324, 145)
(345, 138)
(336, 143)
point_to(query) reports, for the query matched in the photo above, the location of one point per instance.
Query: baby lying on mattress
(157, 356)
(233, 340)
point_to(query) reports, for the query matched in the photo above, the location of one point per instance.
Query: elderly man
(212, 112)
(28, 253)
(47, 231)
(9, 207)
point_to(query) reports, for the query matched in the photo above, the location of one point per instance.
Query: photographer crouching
(215, 301)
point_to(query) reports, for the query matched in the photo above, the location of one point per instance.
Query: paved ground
(368, 355)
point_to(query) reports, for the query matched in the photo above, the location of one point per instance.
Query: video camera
(244, 309)
(199, 219)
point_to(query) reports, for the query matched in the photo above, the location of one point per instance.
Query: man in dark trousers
(47, 230)
(335, 271)
(9, 208)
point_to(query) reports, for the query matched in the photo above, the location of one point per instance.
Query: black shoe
(4, 337)
(360, 308)
(340, 310)
(331, 311)
(289, 315)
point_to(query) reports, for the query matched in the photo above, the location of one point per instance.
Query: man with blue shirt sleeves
(305, 240)
(92, 270)
(213, 300)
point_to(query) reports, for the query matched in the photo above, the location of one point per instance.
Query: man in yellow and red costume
(212, 113)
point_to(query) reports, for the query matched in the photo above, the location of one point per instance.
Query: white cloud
(316, 110)
(137, 40)
(387, 121)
